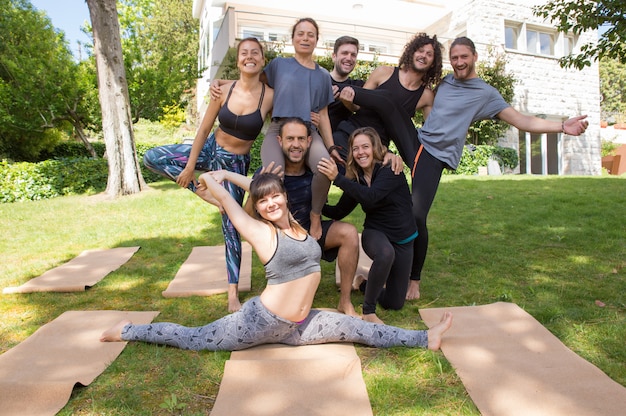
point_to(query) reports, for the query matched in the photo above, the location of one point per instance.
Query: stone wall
(543, 88)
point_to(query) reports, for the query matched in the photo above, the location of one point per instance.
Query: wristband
(334, 147)
(562, 127)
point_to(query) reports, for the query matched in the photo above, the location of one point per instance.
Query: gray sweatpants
(254, 325)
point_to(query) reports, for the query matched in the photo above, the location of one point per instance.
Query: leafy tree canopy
(38, 80)
(613, 90)
(160, 46)
(578, 16)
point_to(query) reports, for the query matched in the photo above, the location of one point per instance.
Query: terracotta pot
(619, 126)
(603, 123)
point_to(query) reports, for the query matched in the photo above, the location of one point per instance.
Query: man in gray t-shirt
(460, 99)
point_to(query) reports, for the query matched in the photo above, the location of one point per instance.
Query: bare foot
(358, 279)
(206, 195)
(114, 334)
(413, 292)
(316, 226)
(233, 298)
(371, 317)
(347, 308)
(435, 333)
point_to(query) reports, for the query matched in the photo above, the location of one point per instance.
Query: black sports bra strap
(229, 92)
(262, 95)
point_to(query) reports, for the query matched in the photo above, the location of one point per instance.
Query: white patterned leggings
(254, 325)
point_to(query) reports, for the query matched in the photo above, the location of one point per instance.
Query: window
(539, 42)
(252, 34)
(540, 154)
(261, 34)
(372, 47)
(568, 45)
(534, 40)
(376, 48)
(510, 37)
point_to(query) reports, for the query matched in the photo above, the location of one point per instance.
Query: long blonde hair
(265, 184)
(353, 170)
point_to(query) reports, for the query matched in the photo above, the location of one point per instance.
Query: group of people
(327, 128)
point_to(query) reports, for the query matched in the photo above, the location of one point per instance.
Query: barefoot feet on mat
(435, 333)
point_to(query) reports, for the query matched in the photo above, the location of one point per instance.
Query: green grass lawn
(556, 246)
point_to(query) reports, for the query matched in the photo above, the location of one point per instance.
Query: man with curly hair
(409, 85)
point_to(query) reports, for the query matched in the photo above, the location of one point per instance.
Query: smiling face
(269, 198)
(463, 62)
(295, 142)
(304, 38)
(423, 58)
(345, 59)
(363, 151)
(272, 206)
(250, 57)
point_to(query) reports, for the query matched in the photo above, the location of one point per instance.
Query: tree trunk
(124, 171)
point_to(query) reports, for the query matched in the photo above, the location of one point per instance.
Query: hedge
(71, 171)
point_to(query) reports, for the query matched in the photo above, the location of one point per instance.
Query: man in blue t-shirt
(339, 240)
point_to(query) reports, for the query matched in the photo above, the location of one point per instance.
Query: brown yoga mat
(204, 273)
(510, 364)
(277, 380)
(362, 268)
(78, 274)
(37, 376)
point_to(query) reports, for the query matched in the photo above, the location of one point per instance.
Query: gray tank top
(293, 259)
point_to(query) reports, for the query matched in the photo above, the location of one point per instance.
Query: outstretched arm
(574, 126)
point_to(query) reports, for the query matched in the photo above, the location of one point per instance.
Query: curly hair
(433, 75)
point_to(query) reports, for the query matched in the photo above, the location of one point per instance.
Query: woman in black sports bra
(283, 312)
(241, 111)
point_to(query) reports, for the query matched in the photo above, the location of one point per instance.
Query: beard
(418, 70)
(341, 72)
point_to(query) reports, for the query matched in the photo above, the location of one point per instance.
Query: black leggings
(388, 278)
(425, 175)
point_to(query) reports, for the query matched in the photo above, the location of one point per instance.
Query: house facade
(530, 45)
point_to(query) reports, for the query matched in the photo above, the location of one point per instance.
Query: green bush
(608, 148)
(475, 156)
(68, 171)
(25, 181)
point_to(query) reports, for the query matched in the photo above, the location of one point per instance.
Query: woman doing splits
(282, 313)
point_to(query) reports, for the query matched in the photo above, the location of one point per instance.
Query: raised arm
(235, 178)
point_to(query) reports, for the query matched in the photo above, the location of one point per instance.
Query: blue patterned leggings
(254, 325)
(170, 160)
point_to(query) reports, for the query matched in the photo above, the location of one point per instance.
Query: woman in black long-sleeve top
(388, 230)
